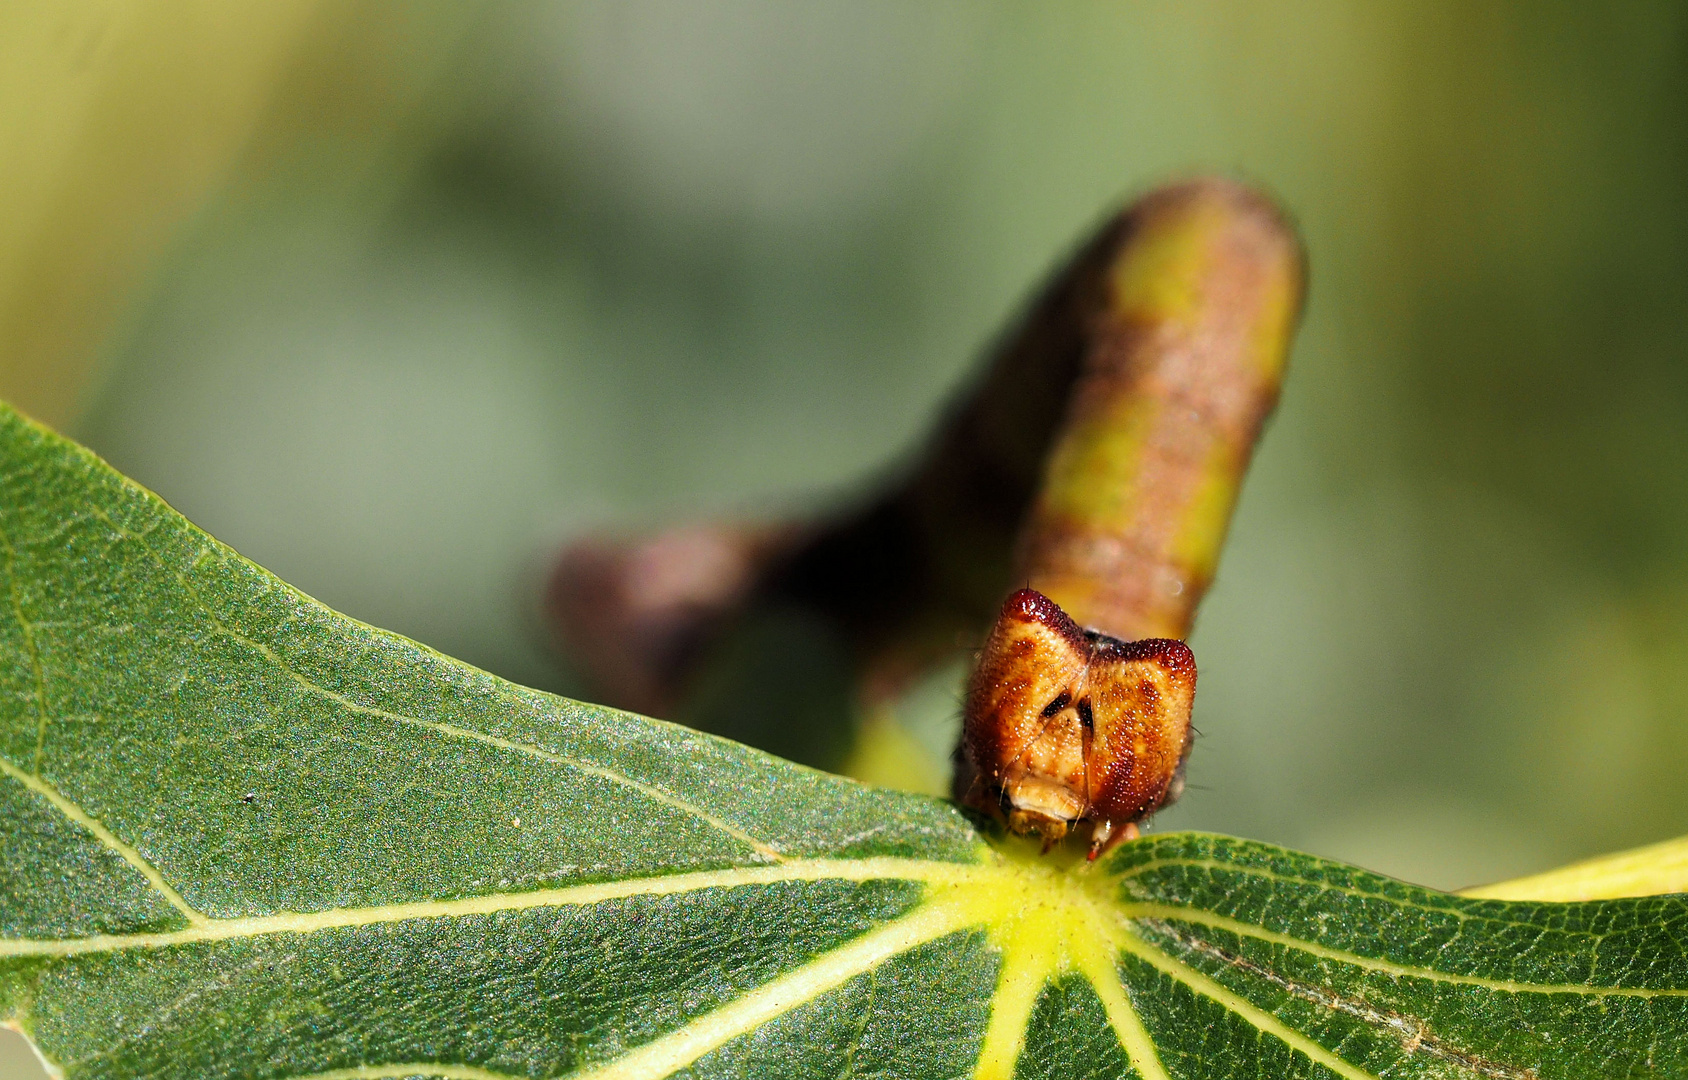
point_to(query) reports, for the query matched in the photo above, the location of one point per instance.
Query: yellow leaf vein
(667, 798)
(105, 836)
(1174, 913)
(876, 869)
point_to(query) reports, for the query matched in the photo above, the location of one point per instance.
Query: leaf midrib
(795, 870)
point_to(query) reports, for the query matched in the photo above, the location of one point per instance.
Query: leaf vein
(690, 1042)
(1173, 913)
(1122, 1015)
(876, 869)
(105, 836)
(1260, 1019)
(1413, 1033)
(1449, 910)
(667, 798)
(855, 1046)
(761, 848)
(1025, 972)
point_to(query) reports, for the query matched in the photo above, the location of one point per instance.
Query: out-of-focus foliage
(115, 120)
(633, 260)
(118, 121)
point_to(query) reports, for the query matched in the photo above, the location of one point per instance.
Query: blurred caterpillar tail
(1186, 353)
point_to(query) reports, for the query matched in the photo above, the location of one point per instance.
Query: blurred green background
(446, 283)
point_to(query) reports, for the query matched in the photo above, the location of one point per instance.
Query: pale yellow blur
(886, 755)
(1645, 871)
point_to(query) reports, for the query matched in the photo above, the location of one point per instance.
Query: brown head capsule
(1067, 726)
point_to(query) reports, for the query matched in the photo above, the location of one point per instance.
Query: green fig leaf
(245, 836)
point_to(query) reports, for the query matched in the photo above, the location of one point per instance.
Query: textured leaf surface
(245, 836)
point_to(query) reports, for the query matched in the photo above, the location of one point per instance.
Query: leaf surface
(245, 836)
